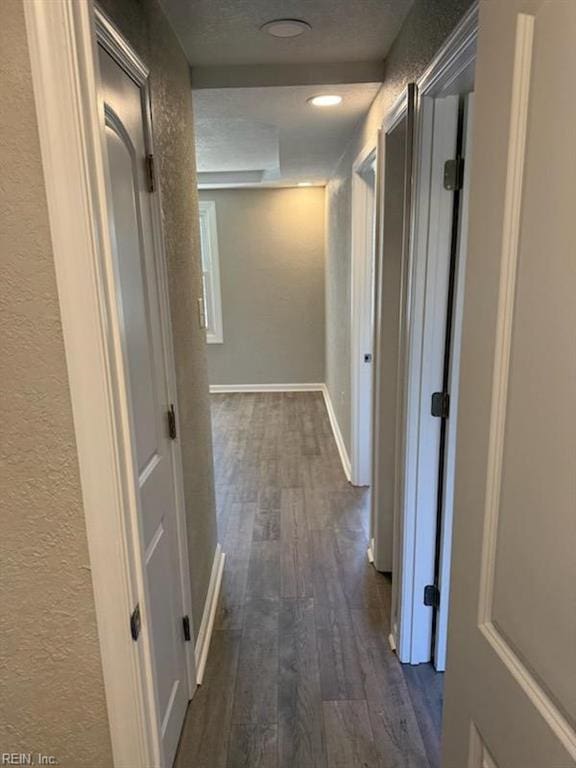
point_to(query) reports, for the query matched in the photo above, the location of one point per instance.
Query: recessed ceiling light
(286, 27)
(326, 100)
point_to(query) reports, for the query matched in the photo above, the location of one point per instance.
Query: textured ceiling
(227, 32)
(275, 132)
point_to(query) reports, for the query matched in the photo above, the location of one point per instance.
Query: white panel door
(511, 669)
(139, 309)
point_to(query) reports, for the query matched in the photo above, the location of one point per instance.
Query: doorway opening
(423, 515)
(426, 146)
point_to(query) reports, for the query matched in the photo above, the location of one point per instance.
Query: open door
(511, 679)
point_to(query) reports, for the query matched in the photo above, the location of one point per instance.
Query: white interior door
(139, 306)
(511, 671)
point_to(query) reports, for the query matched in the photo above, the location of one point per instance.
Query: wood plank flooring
(300, 674)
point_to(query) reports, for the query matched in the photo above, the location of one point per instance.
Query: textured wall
(338, 298)
(271, 245)
(145, 26)
(426, 27)
(52, 696)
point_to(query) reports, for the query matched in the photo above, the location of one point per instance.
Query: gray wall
(53, 696)
(52, 688)
(144, 24)
(271, 245)
(425, 29)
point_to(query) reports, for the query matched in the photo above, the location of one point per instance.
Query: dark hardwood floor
(300, 672)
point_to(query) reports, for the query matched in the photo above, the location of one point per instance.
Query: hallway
(300, 672)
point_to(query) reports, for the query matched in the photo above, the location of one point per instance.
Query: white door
(511, 669)
(136, 261)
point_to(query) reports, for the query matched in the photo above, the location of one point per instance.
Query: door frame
(62, 44)
(362, 324)
(411, 626)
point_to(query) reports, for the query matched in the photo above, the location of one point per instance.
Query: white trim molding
(362, 256)
(202, 645)
(456, 54)
(506, 303)
(340, 444)
(231, 388)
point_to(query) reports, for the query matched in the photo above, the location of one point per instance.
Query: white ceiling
(272, 136)
(227, 32)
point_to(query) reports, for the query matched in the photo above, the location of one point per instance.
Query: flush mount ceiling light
(286, 27)
(325, 100)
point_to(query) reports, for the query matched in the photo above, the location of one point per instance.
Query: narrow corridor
(300, 672)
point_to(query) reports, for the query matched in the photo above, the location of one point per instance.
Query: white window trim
(214, 331)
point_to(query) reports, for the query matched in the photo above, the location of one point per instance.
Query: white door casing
(452, 426)
(450, 73)
(511, 671)
(438, 140)
(146, 357)
(64, 64)
(362, 313)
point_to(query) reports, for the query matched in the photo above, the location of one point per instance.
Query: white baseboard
(223, 388)
(205, 633)
(344, 458)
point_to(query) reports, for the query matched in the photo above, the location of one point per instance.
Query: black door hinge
(432, 595)
(454, 174)
(186, 627)
(135, 623)
(150, 179)
(440, 406)
(171, 416)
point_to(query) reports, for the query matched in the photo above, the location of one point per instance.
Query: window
(211, 272)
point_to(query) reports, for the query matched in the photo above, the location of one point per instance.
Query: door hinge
(135, 623)
(454, 174)
(150, 176)
(186, 628)
(440, 406)
(432, 595)
(171, 416)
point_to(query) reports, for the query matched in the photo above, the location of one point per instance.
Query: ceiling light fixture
(286, 27)
(325, 100)
(304, 183)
